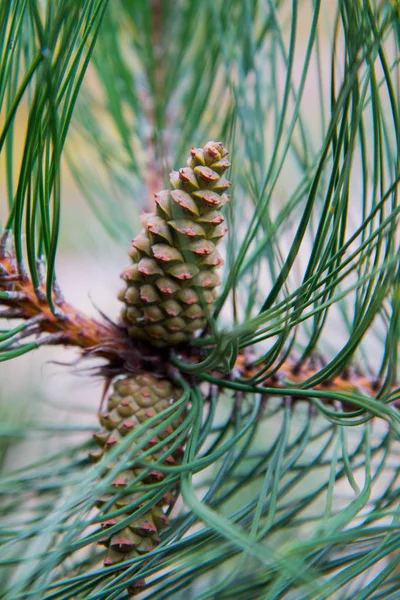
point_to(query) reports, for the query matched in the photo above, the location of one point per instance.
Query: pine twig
(66, 325)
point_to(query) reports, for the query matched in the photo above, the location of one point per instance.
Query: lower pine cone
(133, 401)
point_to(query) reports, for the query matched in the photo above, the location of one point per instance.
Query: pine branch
(272, 404)
(66, 325)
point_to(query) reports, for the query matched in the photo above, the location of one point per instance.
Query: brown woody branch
(292, 372)
(66, 325)
(104, 339)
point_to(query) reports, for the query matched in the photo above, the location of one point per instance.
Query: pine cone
(133, 401)
(171, 286)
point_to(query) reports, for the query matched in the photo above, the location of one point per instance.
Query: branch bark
(104, 339)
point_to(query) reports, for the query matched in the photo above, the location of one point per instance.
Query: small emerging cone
(171, 285)
(135, 400)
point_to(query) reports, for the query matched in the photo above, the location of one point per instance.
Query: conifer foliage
(247, 441)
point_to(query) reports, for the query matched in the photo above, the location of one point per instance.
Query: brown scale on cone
(171, 285)
(133, 401)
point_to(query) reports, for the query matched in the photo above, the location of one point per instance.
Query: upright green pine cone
(133, 401)
(171, 285)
